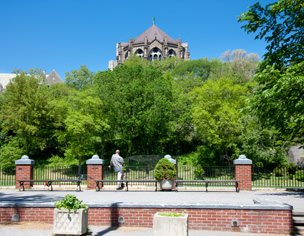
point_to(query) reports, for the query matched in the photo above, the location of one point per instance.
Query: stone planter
(166, 184)
(70, 222)
(170, 225)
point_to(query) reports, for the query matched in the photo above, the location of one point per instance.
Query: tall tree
(80, 79)
(137, 102)
(281, 25)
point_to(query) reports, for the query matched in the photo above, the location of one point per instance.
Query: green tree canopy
(281, 25)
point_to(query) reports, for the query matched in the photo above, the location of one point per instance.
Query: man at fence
(117, 162)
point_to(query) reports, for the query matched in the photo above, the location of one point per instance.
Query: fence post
(24, 170)
(243, 172)
(94, 171)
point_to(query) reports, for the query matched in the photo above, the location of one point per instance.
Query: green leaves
(71, 203)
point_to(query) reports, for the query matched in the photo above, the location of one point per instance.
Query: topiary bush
(164, 169)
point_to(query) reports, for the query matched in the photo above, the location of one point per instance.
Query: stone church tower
(153, 44)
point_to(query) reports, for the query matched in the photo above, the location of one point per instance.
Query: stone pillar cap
(242, 160)
(24, 160)
(95, 160)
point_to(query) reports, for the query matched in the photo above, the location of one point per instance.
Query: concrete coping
(242, 160)
(273, 206)
(95, 160)
(25, 160)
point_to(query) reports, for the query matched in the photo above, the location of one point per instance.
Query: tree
(281, 24)
(27, 114)
(83, 125)
(137, 101)
(216, 113)
(242, 64)
(80, 79)
(279, 100)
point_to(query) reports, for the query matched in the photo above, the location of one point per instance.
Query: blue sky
(64, 34)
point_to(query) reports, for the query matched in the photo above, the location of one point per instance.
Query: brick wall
(24, 172)
(94, 172)
(250, 220)
(243, 174)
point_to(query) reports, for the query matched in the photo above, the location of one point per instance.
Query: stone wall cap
(25, 160)
(95, 160)
(242, 160)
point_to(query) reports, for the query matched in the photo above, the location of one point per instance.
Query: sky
(65, 34)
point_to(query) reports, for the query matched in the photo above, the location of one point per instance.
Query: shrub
(279, 171)
(300, 175)
(70, 202)
(164, 169)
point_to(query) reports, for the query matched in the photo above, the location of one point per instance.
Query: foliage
(71, 203)
(164, 169)
(9, 152)
(171, 214)
(281, 25)
(281, 95)
(216, 113)
(80, 79)
(137, 100)
(299, 175)
(26, 112)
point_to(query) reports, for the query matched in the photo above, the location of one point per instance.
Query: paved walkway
(91, 197)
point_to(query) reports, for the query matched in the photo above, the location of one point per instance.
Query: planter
(170, 225)
(166, 184)
(70, 222)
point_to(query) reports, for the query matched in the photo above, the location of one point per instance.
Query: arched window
(171, 53)
(155, 54)
(139, 53)
(126, 55)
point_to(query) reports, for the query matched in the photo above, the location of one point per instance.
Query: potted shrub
(70, 216)
(165, 173)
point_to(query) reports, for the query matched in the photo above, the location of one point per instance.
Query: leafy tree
(27, 114)
(281, 25)
(242, 64)
(137, 103)
(80, 79)
(279, 100)
(217, 116)
(83, 125)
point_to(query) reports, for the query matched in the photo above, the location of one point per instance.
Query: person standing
(117, 162)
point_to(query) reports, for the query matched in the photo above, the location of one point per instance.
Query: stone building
(6, 78)
(153, 44)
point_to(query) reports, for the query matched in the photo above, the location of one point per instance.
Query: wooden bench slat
(124, 181)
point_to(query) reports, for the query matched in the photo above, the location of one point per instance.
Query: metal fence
(278, 178)
(59, 172)
(7, 179)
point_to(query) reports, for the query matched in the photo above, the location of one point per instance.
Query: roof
(152, 33)
(53, 78)
(5, 78)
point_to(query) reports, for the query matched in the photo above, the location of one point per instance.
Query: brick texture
(94, 172)
(24, 172)
(253, 221)
(243, 173)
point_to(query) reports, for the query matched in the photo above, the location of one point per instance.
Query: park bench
(100, 182)
(207, 182)
(49, 182)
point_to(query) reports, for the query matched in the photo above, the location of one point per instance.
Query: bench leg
(78, 186)
(237, 187)
(97, 186)
(206, 186)
(127, 186)
(21, 186)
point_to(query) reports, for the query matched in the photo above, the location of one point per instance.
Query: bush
(164, 169)
(300, 175)
(279, 171)
(70, 202)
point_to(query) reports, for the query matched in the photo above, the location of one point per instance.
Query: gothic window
(139, 53)
(171, 53)
(155, 54)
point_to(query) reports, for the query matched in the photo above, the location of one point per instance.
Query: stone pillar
(24, 170)
(94, 171)
(243, 172)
